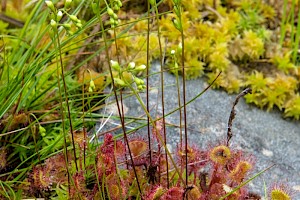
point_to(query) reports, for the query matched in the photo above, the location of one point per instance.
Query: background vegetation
(58, 56)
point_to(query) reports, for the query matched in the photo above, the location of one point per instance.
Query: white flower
(131, 65)
(59, 15)
(115, 65)
(140, 68)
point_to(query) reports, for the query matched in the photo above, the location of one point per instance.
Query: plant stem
(154, 126)
(147, 83)
(63, 120)
(66, 99)
(162, 88)
(116, 97)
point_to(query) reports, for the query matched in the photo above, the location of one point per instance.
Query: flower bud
(42, 131)
(59, 16)
(115, 16)
(53, 23)
(115, 65)
(116, 7)
(90, 89)
(70, 32)
(152, 2)
(140, 68)
(119, 82)
(119, 4)
(79, 25)
(67, 26)
(131, 65)
(177, 24)
(111, 21)
(50, 5)
(73, 18)
(140, 87)
(92, 84)
(68, 4)
(138, 81)
(110, 11)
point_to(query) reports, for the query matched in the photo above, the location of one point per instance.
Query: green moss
(292, 107)
(223, 37)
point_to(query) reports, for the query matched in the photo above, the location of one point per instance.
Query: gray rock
(266, 135)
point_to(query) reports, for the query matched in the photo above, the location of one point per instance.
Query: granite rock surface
(265, 135)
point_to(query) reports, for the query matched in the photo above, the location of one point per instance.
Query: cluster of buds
(177, 10)
(111, 11)
(174, 67)
(92, 86)
(130, 68)
(42, 131)
(75, 20)
(139, 83)
(57, 15)
(116, 4)
(125, 75)
(113, 20)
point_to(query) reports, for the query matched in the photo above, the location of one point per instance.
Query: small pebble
(267, 152)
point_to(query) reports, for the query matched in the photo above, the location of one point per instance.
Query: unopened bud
(152, 2)
(115, 65)
(59, 16)
(42, 130)
(119, 4)
(92, 84)
(116, 7)
(131, 65)
(140, 87)
(111, 21)
(50, 5)
(115, 16)
(140, 68)
(119, 82)
(110, 11)
(67, 26)
(70, 32)
(79, 25)
(177, 24)
(138, 81)
(68, 4)
(53, 23)
(73, 18)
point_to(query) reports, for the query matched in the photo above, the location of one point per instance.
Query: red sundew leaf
(138, 147)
